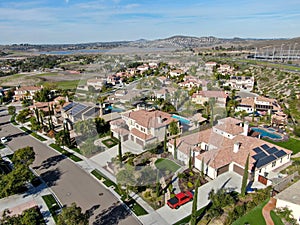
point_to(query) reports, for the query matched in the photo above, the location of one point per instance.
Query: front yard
(166, 165)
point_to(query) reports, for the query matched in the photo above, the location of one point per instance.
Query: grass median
(33, 134)
(52, 205)
(130, 202)
(65, 152)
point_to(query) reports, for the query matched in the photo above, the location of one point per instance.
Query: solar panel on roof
(272, 150)
(280, 153)
(259, 155)
(79, 107)
(264, 161)
(69, 106)
(257, 150)
(265, 146)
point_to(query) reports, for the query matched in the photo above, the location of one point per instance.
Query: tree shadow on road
(52, 161)
(90, 212)
(17, 135)
(1, 124)
(112, 215)
(51, 176)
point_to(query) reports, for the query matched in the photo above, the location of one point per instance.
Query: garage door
(262, 180)
(222, 170)
(238, 170)
(140, 142)
(125, 138)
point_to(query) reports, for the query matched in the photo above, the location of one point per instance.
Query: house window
(273, 163)
(280, 160)
(259, 171)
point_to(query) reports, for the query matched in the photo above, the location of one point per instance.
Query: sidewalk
(267, 209)
(18, 203)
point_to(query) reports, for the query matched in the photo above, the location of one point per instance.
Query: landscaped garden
(187, 179)
(111, 142)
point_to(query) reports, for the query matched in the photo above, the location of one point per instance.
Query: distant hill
(174, 42)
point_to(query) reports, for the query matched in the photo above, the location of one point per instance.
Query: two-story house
(219, 97)
(143, 127)
(225, 147)
(26, 92)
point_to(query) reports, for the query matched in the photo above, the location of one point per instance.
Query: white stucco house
(226, 146)
(290, 198)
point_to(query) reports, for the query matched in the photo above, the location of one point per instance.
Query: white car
(4, 140)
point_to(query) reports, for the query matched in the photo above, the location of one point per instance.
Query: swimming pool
(266, 133)
(181, 119)
(114, 109)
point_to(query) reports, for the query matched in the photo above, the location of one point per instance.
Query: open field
(61, 80)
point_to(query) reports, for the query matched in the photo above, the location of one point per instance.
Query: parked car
(180, 199)
(4, 140)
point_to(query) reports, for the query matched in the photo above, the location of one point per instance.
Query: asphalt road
(68, 181)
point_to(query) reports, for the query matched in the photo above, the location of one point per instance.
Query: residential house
(176, 73)
(219, 97)
(260, 104)
(142, 127)
(225, 69)
(97, 83)
(142, 68)
(164, 93)
(73, 111)
(240, 83)
(26, 92)
(290, 198)
(190, 82)
(279, 118)
(209, 66)
(226, 146)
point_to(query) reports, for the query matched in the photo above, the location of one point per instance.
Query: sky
(83, 21)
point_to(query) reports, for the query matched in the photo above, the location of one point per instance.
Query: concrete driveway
(127, 146)
(67, 180)
(227, 180)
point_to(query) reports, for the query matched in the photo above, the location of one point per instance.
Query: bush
(189, 184)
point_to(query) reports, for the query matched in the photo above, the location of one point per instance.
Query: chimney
(236, 147)
(246, 128)
(159, 119)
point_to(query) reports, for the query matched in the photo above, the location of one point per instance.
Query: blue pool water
(114, 109)
(181, 119)
(265, 133)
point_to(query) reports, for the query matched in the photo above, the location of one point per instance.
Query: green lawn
(65, 152)
(52, 205)
(255, 217)
(166, 164)
(292, 144)
(33, 134)
(13, 120)
(276, 219)
(68, 84)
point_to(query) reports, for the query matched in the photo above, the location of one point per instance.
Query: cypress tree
(175, 149)
(194, 208)
(245, 177)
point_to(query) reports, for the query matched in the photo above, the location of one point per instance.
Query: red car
(180, 199)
